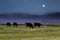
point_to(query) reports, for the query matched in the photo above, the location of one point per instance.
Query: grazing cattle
(29, 25)
(8, 24)
(15, 24)
(37, 24)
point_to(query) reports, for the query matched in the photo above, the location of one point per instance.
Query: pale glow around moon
(43, 5)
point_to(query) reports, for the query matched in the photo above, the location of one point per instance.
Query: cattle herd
(14, 24)
(30, 25)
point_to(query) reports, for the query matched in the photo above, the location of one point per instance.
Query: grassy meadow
(21, 33)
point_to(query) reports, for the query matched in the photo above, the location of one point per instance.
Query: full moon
(43, 5)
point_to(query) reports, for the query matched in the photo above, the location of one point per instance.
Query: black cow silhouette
(29, 25)
(8, 24)
(37, 24)
(15, 24)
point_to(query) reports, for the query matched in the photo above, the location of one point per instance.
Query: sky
(29, 6)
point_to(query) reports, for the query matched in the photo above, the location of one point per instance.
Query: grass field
(21, 33)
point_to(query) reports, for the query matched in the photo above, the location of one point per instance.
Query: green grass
(20, 32)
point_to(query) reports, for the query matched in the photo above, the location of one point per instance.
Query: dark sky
(30, 6)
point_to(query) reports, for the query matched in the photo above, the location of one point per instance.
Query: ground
(21, 33)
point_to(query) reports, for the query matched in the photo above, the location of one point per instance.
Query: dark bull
(37, 24)
(29, 25)
(15, 24)
(8, 24)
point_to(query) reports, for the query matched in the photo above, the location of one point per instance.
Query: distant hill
(55, 15)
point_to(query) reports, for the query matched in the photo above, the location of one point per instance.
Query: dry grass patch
(42, 38)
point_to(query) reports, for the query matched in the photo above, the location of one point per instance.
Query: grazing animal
(8, 24)
(37, 24)
(15, 24)
(29, 25)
